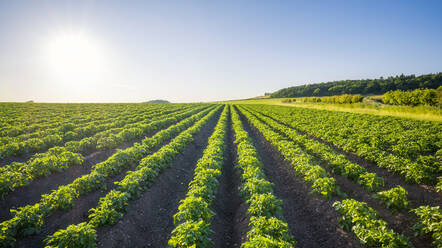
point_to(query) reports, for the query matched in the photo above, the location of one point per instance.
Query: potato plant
(267, 226)
(102, 171)
(112, 206)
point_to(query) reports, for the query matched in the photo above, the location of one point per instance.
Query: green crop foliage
(29, 219)
(81, 235)
(371, 182)
(193, 217)
(267, 227)
(395, 198)
(362, 220)
(429, 221)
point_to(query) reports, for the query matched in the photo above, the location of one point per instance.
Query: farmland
(216, 175)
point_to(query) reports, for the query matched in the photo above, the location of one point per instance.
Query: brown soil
(418, 195)
(402, 222)
(312, 221)
(149, 219)
(230, 223)
(31, 194)
(79, 213)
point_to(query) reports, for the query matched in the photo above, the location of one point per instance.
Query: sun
(75, 57)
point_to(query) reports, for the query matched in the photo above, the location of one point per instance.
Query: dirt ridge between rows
(78, 213)
(230, 223)
(149, 219)
(312, 221)
(401, 223)
(418, 195)
(31, 193)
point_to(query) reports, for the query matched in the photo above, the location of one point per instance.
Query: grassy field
(418, 113)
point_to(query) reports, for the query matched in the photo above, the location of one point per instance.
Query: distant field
(418, 113)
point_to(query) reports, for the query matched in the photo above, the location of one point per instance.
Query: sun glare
(75, 58)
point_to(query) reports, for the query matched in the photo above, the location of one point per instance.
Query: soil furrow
(312, 221)
(402, 222)
(79, 213)
(230, 223)
(149, 219)
(418, 195)
(30, 194)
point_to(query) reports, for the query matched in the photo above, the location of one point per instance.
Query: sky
(191, 51)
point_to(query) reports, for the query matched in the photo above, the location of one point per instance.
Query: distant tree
(316, 91)
(363, 86)
(158, 101)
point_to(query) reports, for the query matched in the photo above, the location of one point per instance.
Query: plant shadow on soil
(312, 221)
(230, 223)
(401, 222)
(418, 194)
(149, 219)
(31, 193)
(79, 213)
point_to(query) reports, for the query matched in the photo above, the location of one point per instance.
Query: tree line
(363, 86)
(346, 98)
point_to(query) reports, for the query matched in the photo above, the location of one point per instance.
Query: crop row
(112, 206)
(267, 226)
(102, 132)
(24, 119)
(402, 137)
(368, 136)
(29, 219)
(56, 126)
(429, 218)
(87, 127)
(69, 132)
(192, 221)
(302, 162)
(63, 126)
(326, 186)
(111, 138)
(395, 198)
(60, 158)
(371, 231)
(26, 123)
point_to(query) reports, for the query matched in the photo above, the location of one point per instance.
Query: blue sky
(187, 51)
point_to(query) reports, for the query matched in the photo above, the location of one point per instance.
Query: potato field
(214, 175)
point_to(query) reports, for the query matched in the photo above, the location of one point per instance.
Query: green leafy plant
(263, 226)
(81, 235)
(63, 197)
(112, 206)
(193, 217)
(267, 228)
(395, 198)
(362, 220)
(109, 209)
(429, 221)
(370, 181)
(191, 234)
